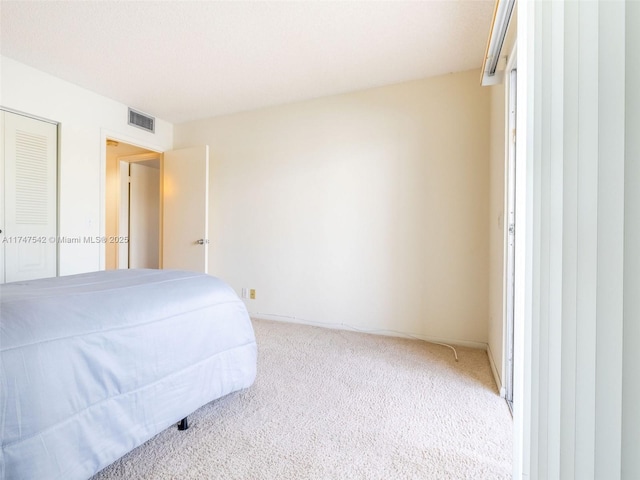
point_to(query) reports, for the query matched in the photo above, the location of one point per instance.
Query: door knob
(202, 241)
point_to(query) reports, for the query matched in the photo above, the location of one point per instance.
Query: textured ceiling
(184, 60)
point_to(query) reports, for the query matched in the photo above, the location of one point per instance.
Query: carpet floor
(333, 404)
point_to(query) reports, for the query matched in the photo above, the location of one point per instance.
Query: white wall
(496, 228)
(368, 209)
(85, 120)
(580, 390)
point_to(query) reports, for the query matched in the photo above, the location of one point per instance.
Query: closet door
(29, 227)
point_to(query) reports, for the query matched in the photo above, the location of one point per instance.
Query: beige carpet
(330, 404)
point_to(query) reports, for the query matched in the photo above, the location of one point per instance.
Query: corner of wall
(494, 370)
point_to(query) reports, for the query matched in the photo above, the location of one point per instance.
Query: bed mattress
(93, 365)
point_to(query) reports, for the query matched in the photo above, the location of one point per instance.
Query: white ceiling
(185, 60)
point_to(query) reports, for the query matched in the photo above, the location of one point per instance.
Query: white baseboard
(390, 333)
(494, 369)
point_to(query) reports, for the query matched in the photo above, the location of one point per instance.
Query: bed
(93, 365)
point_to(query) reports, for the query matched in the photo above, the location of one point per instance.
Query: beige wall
(112, 183)
(367, 209)
(496, 228)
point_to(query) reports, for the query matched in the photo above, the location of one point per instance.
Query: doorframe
(509, 266)
(119, 137)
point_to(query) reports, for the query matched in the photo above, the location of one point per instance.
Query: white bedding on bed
(93, 365)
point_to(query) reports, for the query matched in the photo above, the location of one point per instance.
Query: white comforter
(93, 365)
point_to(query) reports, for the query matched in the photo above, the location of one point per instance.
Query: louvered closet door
(30, 174)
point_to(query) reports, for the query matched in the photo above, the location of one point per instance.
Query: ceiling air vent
(142, 121)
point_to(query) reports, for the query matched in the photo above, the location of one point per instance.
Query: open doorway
(132, 216)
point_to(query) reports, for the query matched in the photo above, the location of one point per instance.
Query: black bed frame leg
(184, 424)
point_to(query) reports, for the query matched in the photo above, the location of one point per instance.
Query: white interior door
(185, 196)
(123, 216)
(29, 228)
(144, 216)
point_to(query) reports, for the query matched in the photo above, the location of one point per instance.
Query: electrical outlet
(245, 293)
(252, 294)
